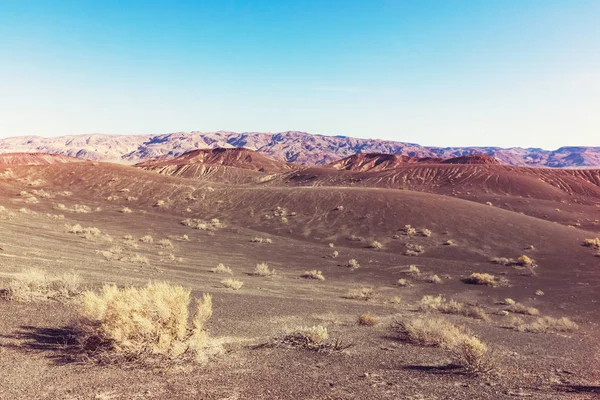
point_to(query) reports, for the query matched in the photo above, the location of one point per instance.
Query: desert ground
(446, 221)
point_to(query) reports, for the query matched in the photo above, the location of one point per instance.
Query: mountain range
(291, 146)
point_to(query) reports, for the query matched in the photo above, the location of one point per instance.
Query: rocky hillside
(296, 147)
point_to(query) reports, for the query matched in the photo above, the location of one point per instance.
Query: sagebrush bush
(482, 278)
(313, 274)
(232, 284)
(138, 324)
(35, 284)
(262, 269)
(222, 269)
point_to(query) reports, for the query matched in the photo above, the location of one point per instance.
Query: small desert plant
(138, 324)
(258, 239)
(313, 274)
(311, 338)
(331, 245)
(126, 210)
(353, 264)
(593, 243)
(232, 284)
(365, 294)
(413, 249)
(425, 232)
(367, 320)
(489, 203)
(468, 350)
(35, 284)
(432, 279)
(519, 308)
(503, 261)
(448, 242)
(339, 208)
(354, 238)
(403, 283)
(413, 270)
(335, 253)
(481, 278)
(439, 303)
(222, 269)
(539, 292)
(166, 243)
(545, 324)
(525, 261)
(160, 203)
(409, 230)
(262, 269)
(147, 239)
(375, 245)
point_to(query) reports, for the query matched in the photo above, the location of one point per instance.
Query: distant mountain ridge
(291, 146)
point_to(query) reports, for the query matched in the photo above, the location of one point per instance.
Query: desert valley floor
(448, 221)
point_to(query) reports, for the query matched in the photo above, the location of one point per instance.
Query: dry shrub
(539, 292)
(147, 239)
(313, 274)
(413, 270)
(134, 259)
(519, 308)
(525, 261)
(403, 283)
(467, 350)
(425, 232)
(413, 249)
(142, 324)
(202, 225)
(375, 245)
(232, 284)
(222, 269)
(448, 243)
(367, 320)
(503, 261)
(439, 303)
(353, 264)
(335, 253)
(76, 208)
(593, 243)
(409, 230)
(354, 238)
(482, 278)
(258, 239)
(160, 203)
(262, 269)
(545, 325)
(432, 279)
(35, 284)
(166, 243)
(315, 338)
(365, 294)
(126, 210)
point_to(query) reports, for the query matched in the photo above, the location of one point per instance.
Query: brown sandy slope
(377, 366)
(35, 159)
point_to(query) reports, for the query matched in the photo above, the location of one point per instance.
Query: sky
(440, 73)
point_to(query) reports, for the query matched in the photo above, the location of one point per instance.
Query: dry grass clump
(159, 203)
(232, 284)
(593, 243)
(545, 325)
(36, 284)
(413, 270)
(539, 292)
(403, 283)
(147, 239)
(413, 249)
(88, 233)
(482, 278)
(432, 279)
(144, 324)
(448, 242)
(365, 294)
(354, 238)
(262, 269)
(222, 269)
(525, 261)
(367, 320)
(519, 308)
(353, 264)
(258, 239)
(126, 210)
(409, 230)
(439, 303)
(467, 350)
(334, 254)
(166, 243)
(425, 232)
(339, 208)
(503, 261)
(76, 208)
(375, 245)
(313, 274)
(310, 338)
(202, 225)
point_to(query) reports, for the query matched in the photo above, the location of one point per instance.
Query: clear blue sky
(470, 72)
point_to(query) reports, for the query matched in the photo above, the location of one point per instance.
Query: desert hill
(35, 159)
(292, 146)
(119, 224)
(364, 162)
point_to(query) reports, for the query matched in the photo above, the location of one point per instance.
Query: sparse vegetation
(313, 274)
(353, 264)
(448, 242)
(313, 338)
(147, 239)
(545, 325)
(36, 284)
(142, 324)
(413, 270)
(468, 350)
(232, 284)
(365, 293)
(367, 320)
(439, 303)
(166, 243)
(432, 279)
(126, 210)
(403, 283)
(195, 223)
(409, 230)
(413, 249)
(222, 269)
(519, 308)
(258, 239)
(262, 269)
(76, 208)
(375, 245)
(425, 232)
(593, 243)
(482, 278)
